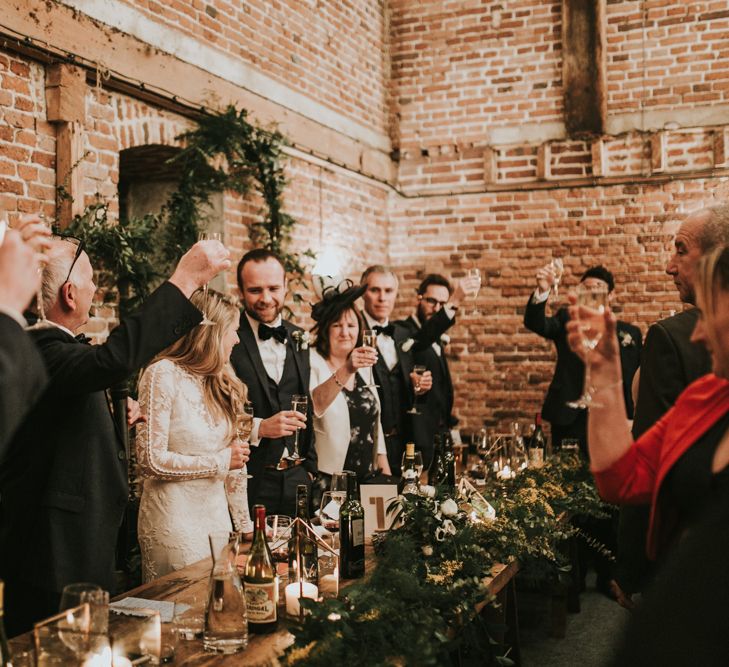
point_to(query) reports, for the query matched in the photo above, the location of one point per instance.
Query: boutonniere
(301, 339)
(445, 339)
(626, 340)
(407, 345)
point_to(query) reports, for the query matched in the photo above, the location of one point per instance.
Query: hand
(423, 383)
(624, 599)
(20, 275)
(465, 288)
(134, 412)
(546, 278)
(606, 353)
(199, 265)
(361, 357)
(282, 424)
(239, 454)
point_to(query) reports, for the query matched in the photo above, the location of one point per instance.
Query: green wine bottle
(351, 532)
(259, 578)
(307, 547)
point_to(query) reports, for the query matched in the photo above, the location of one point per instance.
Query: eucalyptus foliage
(417, 607)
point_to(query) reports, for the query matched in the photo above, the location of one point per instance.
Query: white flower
(427, 491)
(449, 527)
(445, 339)
(449, 507)
(405, 347)
(626, 340)
(302, 339)
(427, 550)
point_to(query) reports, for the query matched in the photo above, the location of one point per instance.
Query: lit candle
(329, 583)
(296, 590)
(102, 659)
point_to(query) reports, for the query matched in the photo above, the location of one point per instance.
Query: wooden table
(191, 585)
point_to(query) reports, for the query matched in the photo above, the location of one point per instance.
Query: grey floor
(591, 634)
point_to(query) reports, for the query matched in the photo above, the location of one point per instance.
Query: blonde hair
(200, 351)
(712, 276)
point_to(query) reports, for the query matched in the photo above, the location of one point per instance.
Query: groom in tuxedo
(272, 360)
(63, 481)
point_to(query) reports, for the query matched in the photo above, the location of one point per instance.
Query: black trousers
(26, 604)
(277, 491)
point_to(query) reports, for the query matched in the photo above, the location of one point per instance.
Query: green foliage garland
(417, 606)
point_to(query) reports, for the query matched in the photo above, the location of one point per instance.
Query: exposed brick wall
(334, 52)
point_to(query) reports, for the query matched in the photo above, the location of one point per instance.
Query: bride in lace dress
(191, 461)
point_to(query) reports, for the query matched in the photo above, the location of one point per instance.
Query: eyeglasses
(433, 302)
(80, 245)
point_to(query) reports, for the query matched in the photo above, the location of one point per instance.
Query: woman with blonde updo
(188, 452)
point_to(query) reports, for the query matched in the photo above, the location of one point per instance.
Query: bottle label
(357, 532)
(261, 602)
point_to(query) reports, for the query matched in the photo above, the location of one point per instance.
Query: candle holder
(301, 578)
(67, 638)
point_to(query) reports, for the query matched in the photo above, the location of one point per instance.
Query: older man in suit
(272, 359)
(670, 362)
(64, 479)
(22, 374)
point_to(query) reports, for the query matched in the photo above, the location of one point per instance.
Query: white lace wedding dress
(188, 490)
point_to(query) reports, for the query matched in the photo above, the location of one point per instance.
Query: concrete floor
(591, 635)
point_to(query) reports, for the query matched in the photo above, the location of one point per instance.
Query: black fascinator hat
(335, 299)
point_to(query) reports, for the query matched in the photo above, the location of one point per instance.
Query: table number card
(376, 498)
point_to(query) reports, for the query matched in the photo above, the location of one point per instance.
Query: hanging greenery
(417, 607)
(227, 152)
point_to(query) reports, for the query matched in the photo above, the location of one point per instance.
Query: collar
(371, 322)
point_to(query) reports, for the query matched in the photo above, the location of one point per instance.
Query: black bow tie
(386, 330)
(279, 333)
(83, 338)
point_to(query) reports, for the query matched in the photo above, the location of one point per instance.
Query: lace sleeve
(236, 489)
(156, 396)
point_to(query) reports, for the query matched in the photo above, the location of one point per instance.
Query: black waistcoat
(281, 394)
(392, 395)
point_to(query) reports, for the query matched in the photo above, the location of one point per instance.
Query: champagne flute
(369, 339)
(207, 236)
(418, 369)
(243, 428)
(299, 403)
(474, 273)
(592, 299)
(558, 267)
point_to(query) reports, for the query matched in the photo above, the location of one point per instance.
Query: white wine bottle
(259, 579)
(351, 532)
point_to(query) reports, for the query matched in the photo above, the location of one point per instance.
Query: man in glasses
(63, 481)
(433, 294)
(22, 374)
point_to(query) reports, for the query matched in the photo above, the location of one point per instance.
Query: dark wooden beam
(583, 66)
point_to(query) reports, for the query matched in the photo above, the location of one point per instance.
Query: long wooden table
(190, 585)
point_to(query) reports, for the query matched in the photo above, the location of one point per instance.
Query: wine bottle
(307, 547)
(537, 443)
(260, 580)
(4, 648)
(437, 471)
(409, 481)
(449, 462)
(351, 532)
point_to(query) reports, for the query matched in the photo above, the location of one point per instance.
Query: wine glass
(207, 236)
(243, 428)
(278, 531)
(418, 370)
(97, 621)
(369, 339)
(418, 463)
(558, 267)
(592, 299)
(331, 503)
(299, 403)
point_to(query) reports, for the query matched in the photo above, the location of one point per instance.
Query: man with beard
(274, 364)
(436, 405)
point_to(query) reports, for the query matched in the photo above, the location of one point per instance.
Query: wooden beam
(583, 66)
(490, 168)
(599, 158)
(544, 162)
(69, 172)
(659, 153)
(721, 148)
(65, 93)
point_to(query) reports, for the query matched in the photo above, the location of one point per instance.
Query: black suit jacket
(22, 378)
(436, 406)
(246, 360)
(567, 381)
(64, 480)
(670, 362)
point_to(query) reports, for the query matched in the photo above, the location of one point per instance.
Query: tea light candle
(294, 591)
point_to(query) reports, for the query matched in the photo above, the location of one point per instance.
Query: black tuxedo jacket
(569, 372)
(436, 406)
(670, 362)
(246, 360)
(64, 480)
(22, 378)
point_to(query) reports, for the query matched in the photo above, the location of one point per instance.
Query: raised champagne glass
(299, 403)
(558, 267)
(418, 370)
(473, 295)
(207, 236)
(243, 428)
(369, 339)
(592, 299)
